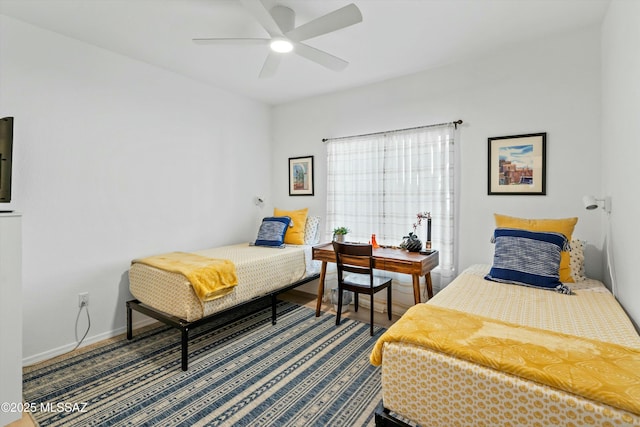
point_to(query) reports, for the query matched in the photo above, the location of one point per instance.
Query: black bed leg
(274, 314)
(185, 348)
(384, 418)
(129, 322)
(380, 419)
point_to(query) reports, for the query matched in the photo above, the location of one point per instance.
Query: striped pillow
(272, 231)
(528, 258)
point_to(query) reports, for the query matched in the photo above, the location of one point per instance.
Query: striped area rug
(304, 371)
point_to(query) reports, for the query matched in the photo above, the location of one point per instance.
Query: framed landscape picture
(301, 176)
(517, 165)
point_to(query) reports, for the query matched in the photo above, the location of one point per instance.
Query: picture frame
(518, 165)
(301, 176)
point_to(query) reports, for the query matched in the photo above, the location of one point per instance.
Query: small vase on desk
(411, 243)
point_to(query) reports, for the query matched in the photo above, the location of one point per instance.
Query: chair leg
(339, 311)
(389, 301)
(371, 329)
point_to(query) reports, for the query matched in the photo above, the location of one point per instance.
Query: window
(377, 184)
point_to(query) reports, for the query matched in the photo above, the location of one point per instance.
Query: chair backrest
(353, 258)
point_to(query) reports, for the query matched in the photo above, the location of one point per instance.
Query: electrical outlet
(83, 299)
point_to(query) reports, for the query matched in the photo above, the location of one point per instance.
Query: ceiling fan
(285, 37)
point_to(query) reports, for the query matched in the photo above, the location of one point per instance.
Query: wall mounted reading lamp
(591, 203)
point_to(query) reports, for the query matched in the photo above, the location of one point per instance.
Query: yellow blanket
(604, 372)
(211, 278)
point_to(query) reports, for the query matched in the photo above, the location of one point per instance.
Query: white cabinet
(10, 314)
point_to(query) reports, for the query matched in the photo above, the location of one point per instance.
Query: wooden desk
(396, 260)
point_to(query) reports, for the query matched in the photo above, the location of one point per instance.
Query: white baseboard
(49, 354)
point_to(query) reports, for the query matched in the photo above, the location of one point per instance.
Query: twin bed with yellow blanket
(184, 290)
(484, 353)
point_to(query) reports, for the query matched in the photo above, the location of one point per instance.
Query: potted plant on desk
(339, 233)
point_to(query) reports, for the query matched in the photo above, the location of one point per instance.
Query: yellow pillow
(564, 226)
(295, 234)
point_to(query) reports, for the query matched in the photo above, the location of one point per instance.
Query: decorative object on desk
(374, 244)
(427, 245)
(421, 216)
(347, 297)
(339, 233)
(411, 243)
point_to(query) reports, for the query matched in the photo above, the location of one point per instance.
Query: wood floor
(297, 297)
(25, 421)
(309, 300)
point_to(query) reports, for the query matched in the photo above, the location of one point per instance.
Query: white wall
(10, 313)
(621, 144)
(552, 85)
(115, 159)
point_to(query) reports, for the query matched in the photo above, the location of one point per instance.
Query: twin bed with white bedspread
(261, 272)
(433, 388)
(526, 341)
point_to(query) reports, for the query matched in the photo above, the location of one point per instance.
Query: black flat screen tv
(6, 149)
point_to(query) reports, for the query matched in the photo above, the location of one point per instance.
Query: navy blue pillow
(272, 231)
(528, 258)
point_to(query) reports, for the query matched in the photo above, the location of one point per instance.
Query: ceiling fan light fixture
(285, 37)
(281, 45)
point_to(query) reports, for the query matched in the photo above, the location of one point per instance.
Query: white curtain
(377, 184)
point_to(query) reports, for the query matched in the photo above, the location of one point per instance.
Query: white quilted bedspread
(260, 270)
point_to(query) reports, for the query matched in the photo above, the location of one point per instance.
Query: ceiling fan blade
(323, 58)
(262, 15)
(270, 65)
(332, 21)
(223, 40)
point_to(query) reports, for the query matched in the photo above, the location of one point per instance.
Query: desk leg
(323, 272)
(429, 285)
(416, 288)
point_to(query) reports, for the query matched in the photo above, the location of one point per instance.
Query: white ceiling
(396, 37)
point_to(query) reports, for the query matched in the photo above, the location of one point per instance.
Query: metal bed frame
(184, 326)
(384, 418)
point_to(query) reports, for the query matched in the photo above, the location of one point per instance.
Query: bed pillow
(562, 225)
(311, 230)
(272, 231)
(528, 258)
(577, 260)
(295, 233)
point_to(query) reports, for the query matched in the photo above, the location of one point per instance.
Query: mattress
(260, 271)
(431, 388)
(591, 313)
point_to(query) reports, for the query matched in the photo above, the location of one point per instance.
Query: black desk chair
(357, 259)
